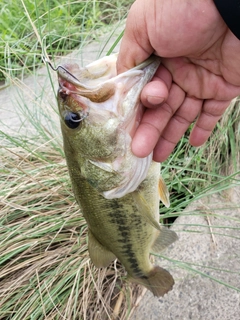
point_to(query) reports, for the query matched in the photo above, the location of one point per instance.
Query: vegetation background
(45, 272)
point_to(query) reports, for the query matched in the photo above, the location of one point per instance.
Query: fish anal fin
(158, 280)
(163, 192)
(164, 239)
(101, 257)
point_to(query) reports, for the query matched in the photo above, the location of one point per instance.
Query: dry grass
(45, 269)
(221, 154)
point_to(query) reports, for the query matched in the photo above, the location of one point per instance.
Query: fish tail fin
(158, 280)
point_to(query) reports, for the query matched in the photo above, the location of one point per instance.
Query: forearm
(230, 12)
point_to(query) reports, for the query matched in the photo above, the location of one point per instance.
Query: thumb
(135, 46)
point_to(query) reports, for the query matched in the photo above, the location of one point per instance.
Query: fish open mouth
(109, 103)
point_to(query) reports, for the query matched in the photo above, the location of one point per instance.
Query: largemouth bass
(118, 193)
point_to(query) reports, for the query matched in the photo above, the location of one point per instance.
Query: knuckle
(181, 120)
(168, 109)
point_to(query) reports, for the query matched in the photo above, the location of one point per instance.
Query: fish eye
(72, 120)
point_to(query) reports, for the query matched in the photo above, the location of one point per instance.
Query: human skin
(198, 77)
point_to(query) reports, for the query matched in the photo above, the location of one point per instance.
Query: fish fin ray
(101, 257)
(163, 192)
(144, 209)
(164, 239)
(131, 181)
(102, 165)
(159, 281)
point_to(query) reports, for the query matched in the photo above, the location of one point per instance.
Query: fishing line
(63, 71)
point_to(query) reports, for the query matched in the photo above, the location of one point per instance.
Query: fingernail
(155, 100)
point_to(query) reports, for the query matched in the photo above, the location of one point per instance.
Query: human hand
(198, 77)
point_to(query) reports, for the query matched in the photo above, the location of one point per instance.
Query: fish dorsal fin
(144, 209)
(164, 239)
(163, 192)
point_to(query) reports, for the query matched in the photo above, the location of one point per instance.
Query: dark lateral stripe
(118, 217)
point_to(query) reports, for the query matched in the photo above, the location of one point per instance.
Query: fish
(118, 193)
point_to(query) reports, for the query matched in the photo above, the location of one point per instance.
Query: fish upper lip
(69, 77)
(64, 74)
(96, 89)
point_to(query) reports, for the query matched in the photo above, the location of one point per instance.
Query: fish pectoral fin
(158, 280)
(164, 239)
(165, 235)
(101, 257)
(144, 209)
(163, 192)
(102, 165)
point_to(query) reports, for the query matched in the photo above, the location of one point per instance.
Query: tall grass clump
(62, 26)
(196, 172)
(45, 270)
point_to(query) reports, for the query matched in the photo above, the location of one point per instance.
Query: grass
(61, 25)
(45, 271)
(194, 172)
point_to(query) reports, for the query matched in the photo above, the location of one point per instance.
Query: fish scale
(117, 192)
(114, 229)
